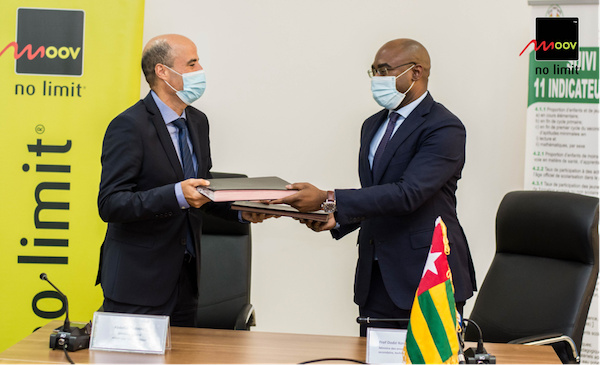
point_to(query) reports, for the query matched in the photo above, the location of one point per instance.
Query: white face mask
(194, 84)
(385, 92)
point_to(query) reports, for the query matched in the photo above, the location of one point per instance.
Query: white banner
(562, 123)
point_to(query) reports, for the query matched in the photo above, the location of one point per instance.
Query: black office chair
(224, 277)
(540, 284)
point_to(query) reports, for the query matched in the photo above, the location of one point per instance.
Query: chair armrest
(245, 318)
(548, 339)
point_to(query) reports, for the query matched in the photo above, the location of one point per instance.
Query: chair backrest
(224, 277)
(544, 272)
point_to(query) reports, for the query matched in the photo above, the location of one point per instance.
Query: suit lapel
(408, 126)
(163, 135)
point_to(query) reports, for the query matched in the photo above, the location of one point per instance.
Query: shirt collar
(167, 113)
(407, 109)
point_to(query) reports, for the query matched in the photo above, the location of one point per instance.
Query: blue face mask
(385, 92)
(194, 84)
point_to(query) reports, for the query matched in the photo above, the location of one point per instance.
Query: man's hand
(308, 198)
(320, 226)
(256, 217)
(193, 197)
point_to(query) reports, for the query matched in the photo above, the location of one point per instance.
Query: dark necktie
(188, 171)
(184, 149)
(386, 138)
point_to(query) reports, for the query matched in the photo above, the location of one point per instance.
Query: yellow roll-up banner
(66, 69)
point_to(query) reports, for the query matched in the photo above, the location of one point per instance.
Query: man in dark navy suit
(154, 156)
(411, 156)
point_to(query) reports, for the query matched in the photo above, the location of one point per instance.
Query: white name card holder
(385, 345)
(138, 333)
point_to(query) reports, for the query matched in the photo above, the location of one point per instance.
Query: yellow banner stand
(67, 68)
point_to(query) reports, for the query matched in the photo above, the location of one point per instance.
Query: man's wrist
(323, 196)
(183, 203)
(329, 204)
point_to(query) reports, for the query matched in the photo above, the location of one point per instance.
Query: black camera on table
(74, 340)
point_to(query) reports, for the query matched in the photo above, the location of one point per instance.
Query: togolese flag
(432, 330)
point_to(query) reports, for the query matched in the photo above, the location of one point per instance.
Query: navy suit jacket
(397, 207)
(143, 250)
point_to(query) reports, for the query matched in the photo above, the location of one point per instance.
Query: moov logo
(48, 42)
(556, 39)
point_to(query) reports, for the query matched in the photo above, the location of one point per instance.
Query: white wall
(287, 94)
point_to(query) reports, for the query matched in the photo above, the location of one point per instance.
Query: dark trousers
(380, 305)
(181, 306)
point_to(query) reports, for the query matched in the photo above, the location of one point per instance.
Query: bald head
(161, 49)
(406, 50)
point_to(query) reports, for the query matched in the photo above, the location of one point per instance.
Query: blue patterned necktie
(386, 138)
(188, 171)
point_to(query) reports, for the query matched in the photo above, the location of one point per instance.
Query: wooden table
(208, 346)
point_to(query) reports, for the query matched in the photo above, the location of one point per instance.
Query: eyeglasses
(383, 71)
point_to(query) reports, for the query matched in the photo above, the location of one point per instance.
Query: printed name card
(130, 333)
(385, 345)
